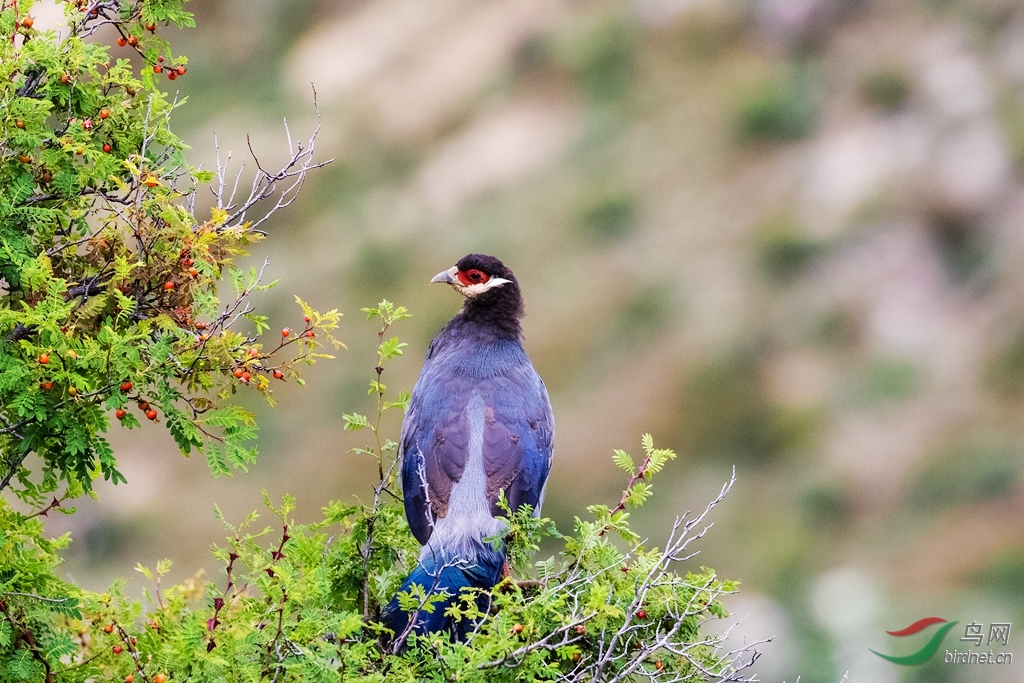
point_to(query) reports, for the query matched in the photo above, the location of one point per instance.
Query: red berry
(121, 412)
(104, 113)
(171, 75)
(159, 678)
(181, 70)
(129, 678)
(285, 332)
(200, 326)
(134, 640)
(44, 359)
(153, 625)
(306, 318)
(47, 385)
(246, 376)
(107, 147)
(168, 285)
(157, 69)
(117, 649)
(126, 386)
(310, 334)
(151, 27)
(87, 124)
(65, 79)
(109, 628)
(160, 59)
(239, 372)
(151, 414)
(189, 262)
(580, 629)
(133, 41)
(121, 41)
(642, 614)
(278, 374)
(143, 406)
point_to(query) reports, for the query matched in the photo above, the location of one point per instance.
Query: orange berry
(47, 385)
(151, 414)
(107, 147)
(246, 376)
(19, 124)
(109, 628)
(143, 406)
(168, 285)
(151, 181)
(278, 374)
(204, 337)
(65, 79)
(104, 113)
(306, 318)
(44, 359)
(133, 41)
(285, 332)
(126, 386)
(121, 412)
(517, 629)
(122, 41)
(24, 158)
(117, 649)
(200, 325)
(239, 372)
(157, 69)
(159, 678)
(129, 678)
(27, 22)
(310, 334)
(193, 272)
(151, 27)
(659, 665)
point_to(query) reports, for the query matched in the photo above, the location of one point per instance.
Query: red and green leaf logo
(929, 649)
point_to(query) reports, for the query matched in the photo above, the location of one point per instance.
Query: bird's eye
(473, 277)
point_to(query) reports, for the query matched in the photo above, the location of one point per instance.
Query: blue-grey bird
(479, 422)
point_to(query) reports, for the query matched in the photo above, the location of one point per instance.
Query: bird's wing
(434, 445)
(518, 437)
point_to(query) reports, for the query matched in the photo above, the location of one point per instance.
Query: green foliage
(110, 282)
(887, 88)
(779, 108)
(290, 605)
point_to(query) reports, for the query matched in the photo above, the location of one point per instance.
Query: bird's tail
(446, 573)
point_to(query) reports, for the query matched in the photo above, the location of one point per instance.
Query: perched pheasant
(479, 422)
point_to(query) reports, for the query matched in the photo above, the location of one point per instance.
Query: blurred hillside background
(780, 234)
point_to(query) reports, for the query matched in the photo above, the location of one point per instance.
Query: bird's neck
(497, 318)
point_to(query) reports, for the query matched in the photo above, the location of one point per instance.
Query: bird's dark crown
(498, 309)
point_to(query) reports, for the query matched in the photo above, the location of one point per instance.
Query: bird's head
(477, 277)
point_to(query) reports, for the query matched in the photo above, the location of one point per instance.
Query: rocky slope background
(780, 234)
